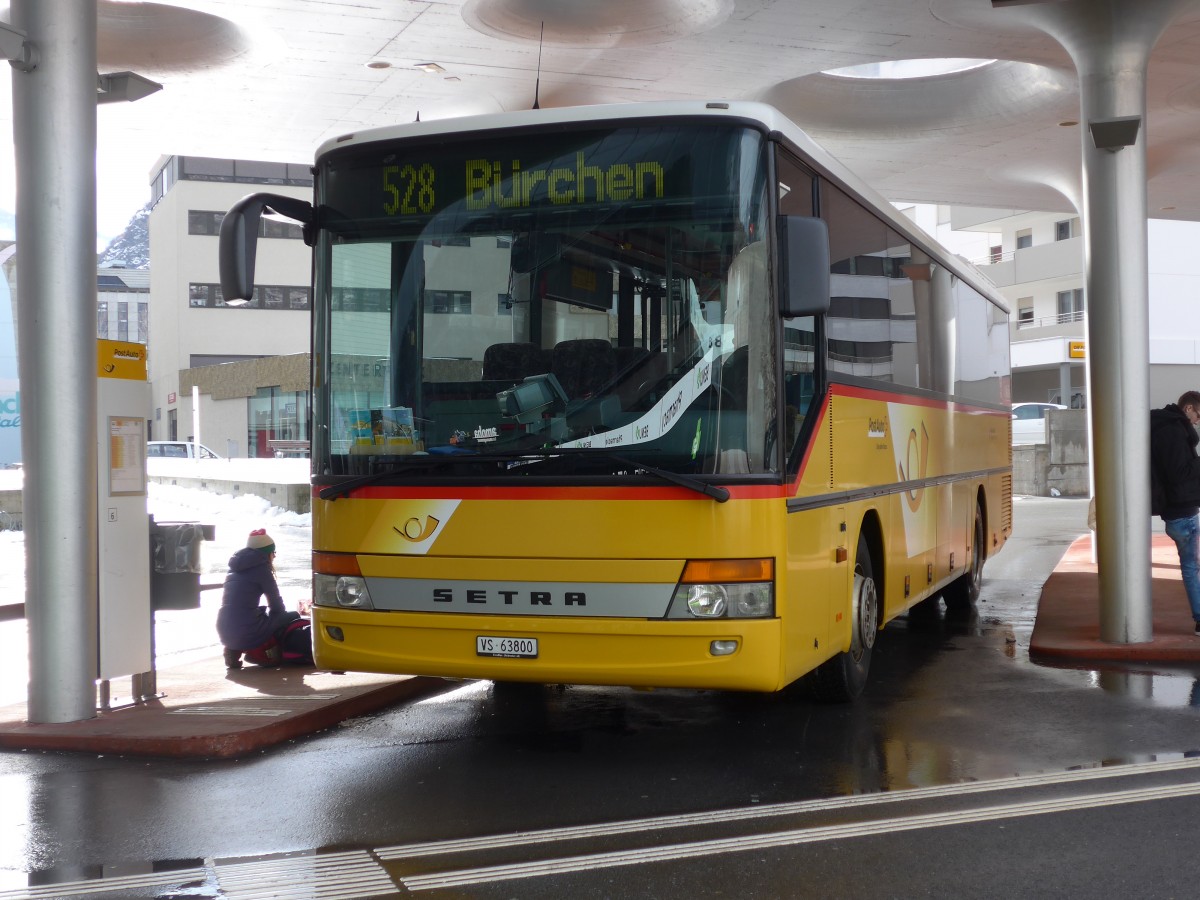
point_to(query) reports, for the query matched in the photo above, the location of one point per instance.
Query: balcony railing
(1047, 321)
(992, 259)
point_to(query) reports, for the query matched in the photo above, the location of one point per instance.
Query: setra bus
(651, 394)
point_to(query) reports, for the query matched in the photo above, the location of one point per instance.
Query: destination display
(405, 183)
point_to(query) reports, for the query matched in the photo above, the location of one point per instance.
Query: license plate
(517, 648)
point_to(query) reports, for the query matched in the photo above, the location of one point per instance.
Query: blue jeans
(1186, 535)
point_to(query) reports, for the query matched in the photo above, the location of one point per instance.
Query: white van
(179, 450)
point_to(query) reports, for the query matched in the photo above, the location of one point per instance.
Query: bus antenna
(537, 84)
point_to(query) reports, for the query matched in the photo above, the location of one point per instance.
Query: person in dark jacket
(241, 623)
(1175, 471)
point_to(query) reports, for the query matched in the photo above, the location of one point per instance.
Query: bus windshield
(494, 300)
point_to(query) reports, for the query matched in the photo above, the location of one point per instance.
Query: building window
(266, 296)
(122, 321)
(1070, 306)
(102, 319)
(1024, 238)
(449, 302)
(200, 294)
(995, 253)
(208, 222)
(1024, 312)
(204, 221)
(275, 415)
(143, 323)
(271, 228)
(1066, 229)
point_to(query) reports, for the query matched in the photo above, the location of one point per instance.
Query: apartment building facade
(1036, 260)
(247, 405)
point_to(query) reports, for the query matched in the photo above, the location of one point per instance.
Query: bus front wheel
(843, 678)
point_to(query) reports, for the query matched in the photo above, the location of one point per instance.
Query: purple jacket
(241, 623)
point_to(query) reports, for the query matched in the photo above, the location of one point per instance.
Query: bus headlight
(707, 601)
(346, 591)
(723, 601)
(725, 589)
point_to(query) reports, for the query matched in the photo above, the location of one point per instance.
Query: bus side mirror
(803, 266)
(238, 240)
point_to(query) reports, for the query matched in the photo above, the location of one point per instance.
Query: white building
(194, 334)
(123, 304)
(1036, 260)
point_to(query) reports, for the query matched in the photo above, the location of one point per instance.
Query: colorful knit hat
(260, 540)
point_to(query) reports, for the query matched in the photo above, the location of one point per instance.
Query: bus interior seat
(583, 366)
(512, 362)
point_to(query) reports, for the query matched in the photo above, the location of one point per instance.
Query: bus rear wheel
(960, 595)
(842, 679)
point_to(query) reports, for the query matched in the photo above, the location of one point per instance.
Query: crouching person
(267, 636)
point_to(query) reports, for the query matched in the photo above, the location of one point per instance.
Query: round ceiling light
(896, 69)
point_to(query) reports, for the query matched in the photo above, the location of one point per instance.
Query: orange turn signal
(727, 571)
(335, 563)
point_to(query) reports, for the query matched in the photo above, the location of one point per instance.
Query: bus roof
(763, 115)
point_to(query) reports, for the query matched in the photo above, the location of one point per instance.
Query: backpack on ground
(293, 646)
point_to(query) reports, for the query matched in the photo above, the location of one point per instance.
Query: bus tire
(842, 679)
(960, 595)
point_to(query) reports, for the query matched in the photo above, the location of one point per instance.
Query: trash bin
(175, 563)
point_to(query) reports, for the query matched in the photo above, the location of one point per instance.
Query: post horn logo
(413, 530)
(916, 458)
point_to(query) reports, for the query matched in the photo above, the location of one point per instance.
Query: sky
(122, 184)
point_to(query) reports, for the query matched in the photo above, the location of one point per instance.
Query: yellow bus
(651, 395)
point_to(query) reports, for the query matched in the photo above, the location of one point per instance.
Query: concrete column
(54, 125)
(1110, 43)
(1064, 383)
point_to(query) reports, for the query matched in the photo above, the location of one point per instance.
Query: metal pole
(1118, 339)
(54, 125)
(1110, 43)
(196, 420)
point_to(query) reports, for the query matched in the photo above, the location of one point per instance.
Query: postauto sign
(10, 410)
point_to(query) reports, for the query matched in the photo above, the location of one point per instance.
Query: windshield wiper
(719, 494)
(333, 492)
(411, 463)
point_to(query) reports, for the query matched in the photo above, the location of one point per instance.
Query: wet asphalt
(965, 770)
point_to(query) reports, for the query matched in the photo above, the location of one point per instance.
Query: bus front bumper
(721, 654)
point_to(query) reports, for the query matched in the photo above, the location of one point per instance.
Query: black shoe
(1197, 631)
(233, 658)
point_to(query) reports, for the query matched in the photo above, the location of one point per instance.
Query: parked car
(180, 450)
(1029, 422)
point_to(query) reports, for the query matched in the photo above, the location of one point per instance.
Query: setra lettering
(508, 597)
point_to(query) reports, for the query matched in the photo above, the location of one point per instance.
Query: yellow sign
(1076, 349)
(120, 359)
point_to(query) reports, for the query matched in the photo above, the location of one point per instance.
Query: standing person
(1175, 486)
(242, 624)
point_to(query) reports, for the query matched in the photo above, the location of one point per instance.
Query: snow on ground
(180, 635)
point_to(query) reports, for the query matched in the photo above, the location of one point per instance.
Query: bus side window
(799, 383)
(795, 186)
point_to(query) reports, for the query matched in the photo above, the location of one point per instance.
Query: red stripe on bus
(413, 492)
